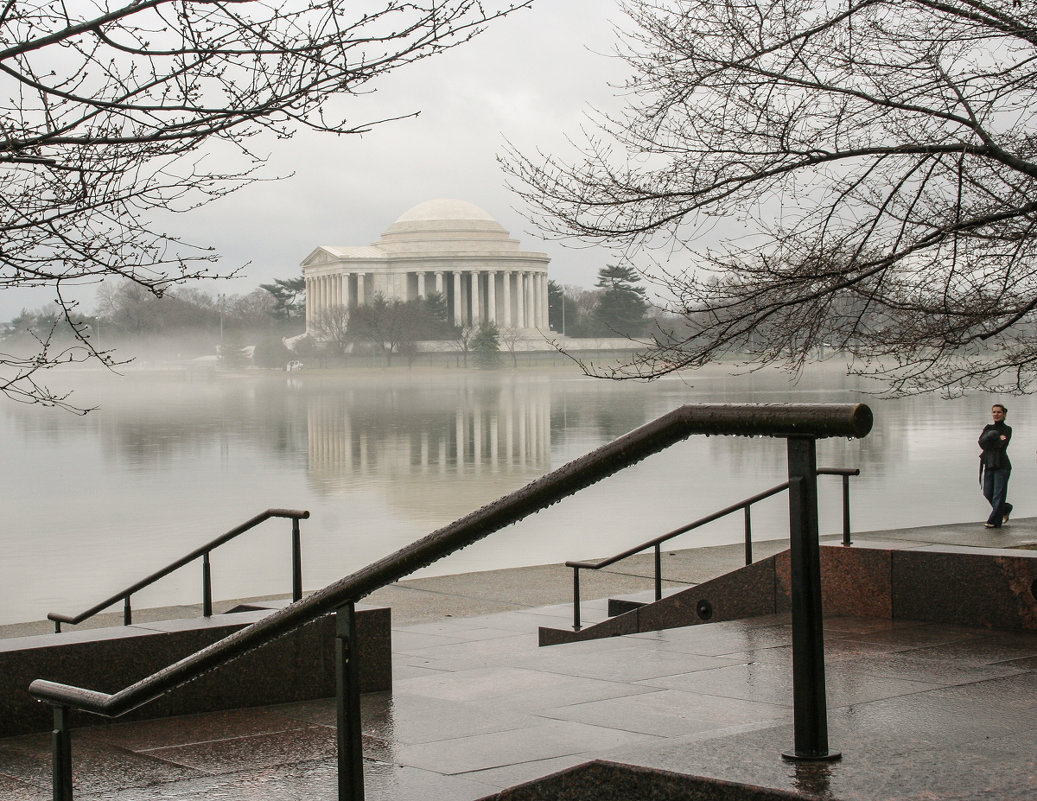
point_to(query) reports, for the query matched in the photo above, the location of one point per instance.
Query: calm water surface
(380, 459)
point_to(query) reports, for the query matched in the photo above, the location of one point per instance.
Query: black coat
(995, 449)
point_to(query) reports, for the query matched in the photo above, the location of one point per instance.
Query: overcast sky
(528, 78)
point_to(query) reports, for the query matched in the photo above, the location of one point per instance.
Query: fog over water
(380, 458)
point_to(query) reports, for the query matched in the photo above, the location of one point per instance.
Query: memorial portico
(451, 247)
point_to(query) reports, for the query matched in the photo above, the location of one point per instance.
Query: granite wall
(987, 587)
(610, 781)
(296, 667)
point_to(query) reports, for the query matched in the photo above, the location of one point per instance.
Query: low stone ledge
(297, 667)
(601, 780)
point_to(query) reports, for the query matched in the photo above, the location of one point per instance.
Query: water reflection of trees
(151, 419)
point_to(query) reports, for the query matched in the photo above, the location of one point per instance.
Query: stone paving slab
(919, 711)
(464, 734)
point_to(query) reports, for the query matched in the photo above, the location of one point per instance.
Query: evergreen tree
(486, 346)
(289, 297)
(438, 315)
(621, 306)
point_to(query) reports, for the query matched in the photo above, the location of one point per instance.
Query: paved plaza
(918, 710)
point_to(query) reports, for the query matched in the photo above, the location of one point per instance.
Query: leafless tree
(463, 335)
(509, 339)
(255, 310)
(111, 112)
(861, 173)
(331, 327)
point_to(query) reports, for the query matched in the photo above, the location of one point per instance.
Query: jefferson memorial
(447, 246)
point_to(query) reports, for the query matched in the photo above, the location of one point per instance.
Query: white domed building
(447, 246)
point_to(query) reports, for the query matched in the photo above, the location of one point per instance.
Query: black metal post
(296, 561)
(658, 572)
(127, 612)
(748, 536)
(576, 599)
(808, 656)
(61, 747)
(347, 685)
(206, 586)
(846, 511)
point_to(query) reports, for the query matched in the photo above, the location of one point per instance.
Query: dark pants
(995, 490)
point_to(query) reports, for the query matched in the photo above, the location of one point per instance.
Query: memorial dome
(444, 209)
(446, 224)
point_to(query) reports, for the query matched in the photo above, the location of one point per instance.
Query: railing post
(658, 572)
(206, 586)
(748, 536)
(808, 656)
(347, 686)
(127, 612)
(846, 510)
(576, 598)
(296, 561)
(61, 749)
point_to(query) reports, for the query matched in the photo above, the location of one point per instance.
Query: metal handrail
(792, 421)
(656, 542)
(203, 552)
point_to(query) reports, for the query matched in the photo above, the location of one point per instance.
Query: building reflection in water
(418, 437)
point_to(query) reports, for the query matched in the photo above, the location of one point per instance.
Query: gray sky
(528, 78)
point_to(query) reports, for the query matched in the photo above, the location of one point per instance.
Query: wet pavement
(918, 711)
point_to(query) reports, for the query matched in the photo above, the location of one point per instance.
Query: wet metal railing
(744, 505)
(203, 554)
(800, 424)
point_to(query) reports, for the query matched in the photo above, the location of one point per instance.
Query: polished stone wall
(991, 588)
(296, 667)
(601, 780)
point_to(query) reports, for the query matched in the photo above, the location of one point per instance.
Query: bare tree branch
(875, 165)
(108, 111)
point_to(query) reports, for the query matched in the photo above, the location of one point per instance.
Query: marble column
(506, 286)
(309, 303)
(458, 303)
(421, 285)
(491, 296)
(531, 284)
(439, 282)
(476, 310)
(520, 299)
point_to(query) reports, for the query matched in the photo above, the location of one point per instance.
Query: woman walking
(995, 467)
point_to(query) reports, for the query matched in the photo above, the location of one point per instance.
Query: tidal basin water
(380, 458)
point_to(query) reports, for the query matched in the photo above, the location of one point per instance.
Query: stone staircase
(985, 587)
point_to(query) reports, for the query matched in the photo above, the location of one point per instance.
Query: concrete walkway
(919, 711)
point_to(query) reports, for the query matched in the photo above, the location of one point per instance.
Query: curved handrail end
(58, 694)
(301, 514)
